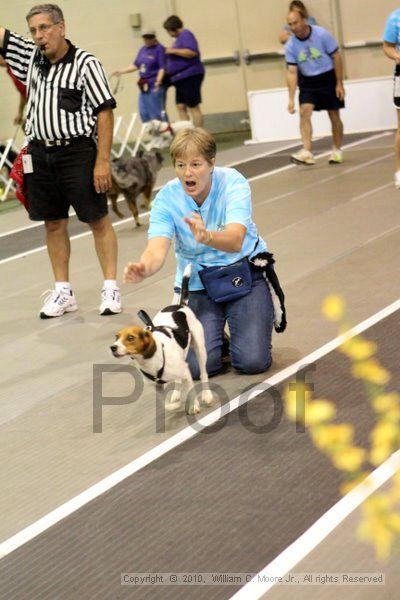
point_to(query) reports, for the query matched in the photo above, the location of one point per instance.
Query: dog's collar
(158, 377)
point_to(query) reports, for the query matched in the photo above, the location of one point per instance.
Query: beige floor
(332, 229)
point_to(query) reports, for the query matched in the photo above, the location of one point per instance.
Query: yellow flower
(319, 411)
(377, 525)
(383, 539)
(385, 402)
(349, 459)
(297, 397)
(393, 521)
(379, 454)
(377, 504)
(384, 433)
(333, 308)
(358, 349)
(327, 436)
(371, 371)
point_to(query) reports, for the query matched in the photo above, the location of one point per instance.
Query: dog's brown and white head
(133, 341)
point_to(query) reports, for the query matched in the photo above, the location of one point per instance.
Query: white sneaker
(336, 157)
(57, 303)
(397, 180)
(110, 301)
(303, 157)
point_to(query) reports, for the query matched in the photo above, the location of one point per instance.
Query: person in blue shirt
(391, 48)
(206, 211)
(285, 33)
(315, 65)
(150, 62)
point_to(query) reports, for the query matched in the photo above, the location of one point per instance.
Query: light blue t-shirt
(392, 28)
(312, 55)
(229, 201)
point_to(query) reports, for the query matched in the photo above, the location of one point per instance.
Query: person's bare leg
(58, 248)
(337, 128)
(197, 116)
(306, 111)
(183, 112)
(106, 246)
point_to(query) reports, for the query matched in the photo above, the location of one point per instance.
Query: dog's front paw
(174, 401)
(194, 408)
(207, 397)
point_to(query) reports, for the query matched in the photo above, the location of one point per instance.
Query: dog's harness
(150, 326)
(158, 377)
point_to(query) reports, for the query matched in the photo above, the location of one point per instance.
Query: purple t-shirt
(149, 61)
(179, 67)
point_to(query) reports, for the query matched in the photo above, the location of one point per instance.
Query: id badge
(27, 163)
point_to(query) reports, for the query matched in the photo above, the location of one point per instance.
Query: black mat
(29, 239)
(228, 501)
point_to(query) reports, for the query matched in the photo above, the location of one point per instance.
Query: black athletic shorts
(188, 90)
(63, 177)
(319, 90)
(396, 87)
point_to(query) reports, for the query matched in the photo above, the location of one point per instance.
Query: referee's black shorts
(320, 90)
(63, 177)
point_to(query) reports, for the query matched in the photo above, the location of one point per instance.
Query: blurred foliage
(380, 524)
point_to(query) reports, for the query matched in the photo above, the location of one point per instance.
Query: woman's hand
(197, 227)
(134, 272)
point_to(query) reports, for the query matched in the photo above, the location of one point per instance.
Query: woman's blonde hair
(193, 140)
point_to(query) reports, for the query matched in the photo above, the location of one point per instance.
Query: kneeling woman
(207, 211)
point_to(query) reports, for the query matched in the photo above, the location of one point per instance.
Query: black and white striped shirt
(63, 98)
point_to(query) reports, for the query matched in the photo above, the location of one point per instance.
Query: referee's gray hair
(55, 13)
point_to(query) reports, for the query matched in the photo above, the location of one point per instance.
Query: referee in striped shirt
(69, 127)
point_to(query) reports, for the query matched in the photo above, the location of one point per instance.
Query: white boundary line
(38, 527)
(275, 171)
(12, 231)
(319, 182)
(293, 144)
(310, 539)
(322, 155)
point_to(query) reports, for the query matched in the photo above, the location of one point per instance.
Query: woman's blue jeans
(151, 104)
(250, 321)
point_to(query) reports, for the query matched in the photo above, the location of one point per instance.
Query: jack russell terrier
(160, 349)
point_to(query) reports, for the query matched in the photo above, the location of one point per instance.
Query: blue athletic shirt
(392, 28)
(312, 55)
(229, 201)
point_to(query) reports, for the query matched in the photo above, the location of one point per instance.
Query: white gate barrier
(122, 133)
(369, 107)
(6, 184)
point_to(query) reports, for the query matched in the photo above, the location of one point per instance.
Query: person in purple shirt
(185, 70)
(150, 62)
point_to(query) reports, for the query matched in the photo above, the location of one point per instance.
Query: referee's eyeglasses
(43, 28)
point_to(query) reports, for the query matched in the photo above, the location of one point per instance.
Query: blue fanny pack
(227, 282)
